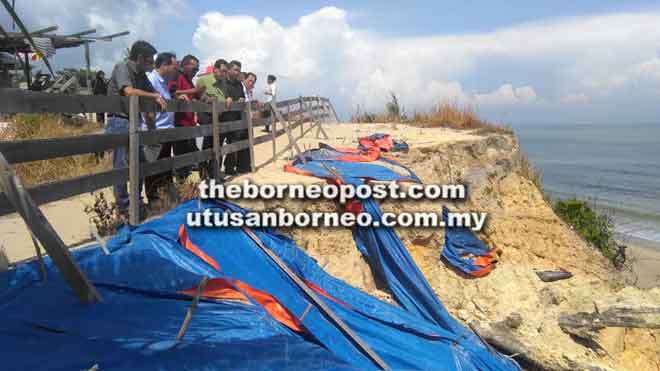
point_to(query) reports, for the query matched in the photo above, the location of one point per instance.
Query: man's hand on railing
(228, 102)
(184, 98)
(161, 101)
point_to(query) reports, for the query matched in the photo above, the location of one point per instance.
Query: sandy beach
(644, 256)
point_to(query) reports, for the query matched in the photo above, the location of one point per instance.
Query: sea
(614, 166)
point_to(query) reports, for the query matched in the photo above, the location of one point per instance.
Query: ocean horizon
(614, 166)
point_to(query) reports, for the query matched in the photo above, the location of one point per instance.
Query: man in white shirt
(271, 90)
(166, 69)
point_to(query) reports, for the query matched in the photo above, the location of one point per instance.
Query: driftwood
(638, 317)
(584, 327)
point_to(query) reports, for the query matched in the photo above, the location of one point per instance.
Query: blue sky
(514, 61)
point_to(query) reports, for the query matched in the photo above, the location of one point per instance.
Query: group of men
(147, 73)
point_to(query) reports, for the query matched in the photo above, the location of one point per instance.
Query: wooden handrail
(20, 151)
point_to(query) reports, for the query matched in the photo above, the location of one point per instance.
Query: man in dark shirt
(237, 162)
(129, 79)
(100, 87)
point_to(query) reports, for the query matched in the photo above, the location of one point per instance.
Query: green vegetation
(597, 228)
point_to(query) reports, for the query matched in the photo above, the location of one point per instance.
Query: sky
(515, 62)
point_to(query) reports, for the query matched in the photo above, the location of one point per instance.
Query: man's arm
(194, 91)
(130, 91)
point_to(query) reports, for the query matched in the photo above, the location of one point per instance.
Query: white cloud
(323, 54)
(550, 67)
(507, 95)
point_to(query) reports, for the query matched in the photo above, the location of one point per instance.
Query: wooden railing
(289, 114)
(292, 112)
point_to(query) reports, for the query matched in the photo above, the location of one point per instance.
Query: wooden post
(273, 129)
(320, 129)
(39, 226)
(247, 112)
(287, 129)
(134, 161)
(191, 309)
(314, 298)
(217, 163)
(303, 112)
(42, 266)
(334, 112)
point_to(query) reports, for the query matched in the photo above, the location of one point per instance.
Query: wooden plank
(334, 112)
(260, 121)
(53, 191)
(134, 163)
(188, 159)
(288, 131)
(14, 100)
(19, 151)
(44, 232)
(191, 309)
(318, 302)
(168, 135)
(18, 100)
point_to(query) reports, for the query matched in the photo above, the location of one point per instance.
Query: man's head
(271, 79)
(220, 69)
(142, 53)
(250, 80)
(100, 75)
(234, 69)
(190, 66)
(166, 65)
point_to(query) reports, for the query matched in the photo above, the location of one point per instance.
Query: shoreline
(644, 256)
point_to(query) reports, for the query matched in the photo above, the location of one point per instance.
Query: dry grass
(450, 115)
(43, 126)
(453, 116)
(528, 171)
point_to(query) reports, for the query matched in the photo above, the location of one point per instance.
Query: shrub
(596, 228)
(104, 215)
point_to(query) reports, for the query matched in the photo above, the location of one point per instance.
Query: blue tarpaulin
(142, 283)
(465, 251)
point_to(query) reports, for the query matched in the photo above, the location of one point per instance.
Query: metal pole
(134, 161)
(247, 111)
